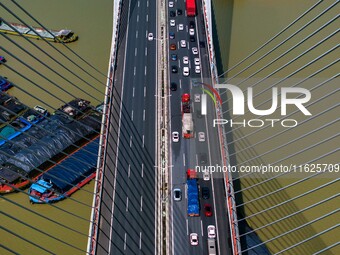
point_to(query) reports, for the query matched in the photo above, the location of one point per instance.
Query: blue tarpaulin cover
(193, 206)
(75, 168)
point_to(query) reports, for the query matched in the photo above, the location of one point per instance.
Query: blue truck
(192, 188)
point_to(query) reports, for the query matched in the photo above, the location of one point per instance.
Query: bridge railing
(95, 214)
(228, 181)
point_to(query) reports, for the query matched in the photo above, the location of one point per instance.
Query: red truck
(191, 8)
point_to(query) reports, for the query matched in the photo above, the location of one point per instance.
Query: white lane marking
(135, 52)
(130, 140)
(180, 83)
(202, 228)
(143, 141)
(137, 18)
(132, 115)
(196, 160)
(146, 34)
(133, 92)
(137, 34)
(142, 170)
(186, 27)
(184, 159)
(179, 63)
(129, 170)
(138, 3)
(134, 71)
(144, 91)
(141, 203)
(145, 70)
(140, 240)
(147, 3)
(147, 17)
(127, 204)
(146, 51)
(125, 241)
(187, 227)
(144, 114)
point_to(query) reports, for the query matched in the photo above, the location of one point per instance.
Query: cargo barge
(44, 142)
(61, 36)
(68, 176)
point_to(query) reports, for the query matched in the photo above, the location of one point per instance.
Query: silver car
(201, 137)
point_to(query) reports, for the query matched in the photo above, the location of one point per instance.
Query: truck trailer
(191, 8)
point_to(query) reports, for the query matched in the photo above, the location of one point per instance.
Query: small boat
(75, 109)
(35, 115)
(5, 84)
(10, 110)
(2, 60)
(62, 36)
(13, 130)
(67, 177)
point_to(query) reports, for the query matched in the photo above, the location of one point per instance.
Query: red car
(207, 210)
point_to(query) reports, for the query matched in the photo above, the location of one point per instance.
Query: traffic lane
(106, 204)
(222, 225)
(179, 207)
(135, 140)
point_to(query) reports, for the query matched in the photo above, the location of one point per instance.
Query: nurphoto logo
(239, 102)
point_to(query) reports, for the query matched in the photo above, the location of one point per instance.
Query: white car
(172, 23)
(201, 137)
(197, 98)
(197, 69)
(180, 27)
(206, 175)
(197, 61)
(191, 31)
(211, 231)
(186, 71)
(185, 60)
(194, 239)
(171, 4)
(183, 44)
(150, 36)
(175, 137)
(194, 51)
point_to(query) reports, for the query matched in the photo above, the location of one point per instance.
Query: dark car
(173, 86)
(172, 14)
(203, 158)
(172, 35)
(202, 44)
(208, 210)
(174, 69)
(174, 57)
(205, 193)
(192, 38)
(179, 12)
(173, 46)
(192, 24)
